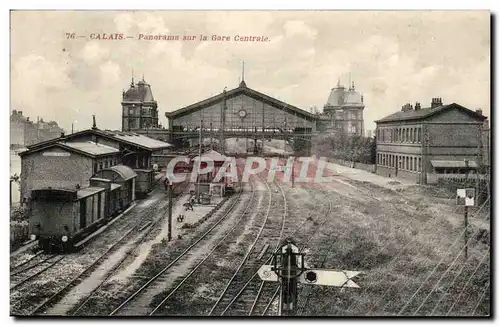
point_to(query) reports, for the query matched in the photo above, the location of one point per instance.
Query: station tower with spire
(344, 109)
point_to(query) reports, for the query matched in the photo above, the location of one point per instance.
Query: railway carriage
(113, 191)
(144, 182)
(123, 176)
(62, 216)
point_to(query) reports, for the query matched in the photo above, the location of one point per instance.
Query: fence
(354, 165)
(452, 182)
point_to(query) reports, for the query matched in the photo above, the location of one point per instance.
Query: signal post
(289, 269)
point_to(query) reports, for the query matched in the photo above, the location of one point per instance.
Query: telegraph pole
(466, 233)
(170, 195)
(199, 163)
(466, 211)
(479, 162)
(223, 124)
(211, 138)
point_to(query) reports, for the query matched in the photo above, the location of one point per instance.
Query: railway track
(171, 296)
(93, 297)
(35, 294)
(138, 302)
(245, 293)
(17, 268)
(134, 226)
(19, 277)
(266, 299)
(263, 236)
(232, 300)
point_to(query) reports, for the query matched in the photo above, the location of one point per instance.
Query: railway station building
(343, 112)
(70, 161)
(417, 143)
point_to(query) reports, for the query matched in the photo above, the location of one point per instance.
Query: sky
(394, 57)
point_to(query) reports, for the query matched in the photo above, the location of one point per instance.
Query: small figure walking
(188, 206)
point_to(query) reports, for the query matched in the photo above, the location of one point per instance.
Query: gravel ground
(118, 289)
(25, 298)
(375, 222)
(406, 240)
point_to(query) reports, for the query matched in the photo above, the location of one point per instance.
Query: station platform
(191, 217)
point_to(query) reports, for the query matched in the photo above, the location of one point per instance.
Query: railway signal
(289, 269)
(465, 197)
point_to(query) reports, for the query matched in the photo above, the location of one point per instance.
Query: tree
(351, 148)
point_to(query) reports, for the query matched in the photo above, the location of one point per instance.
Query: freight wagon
(62, 216)
(59, 217)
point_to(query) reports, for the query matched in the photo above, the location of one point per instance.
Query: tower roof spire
(132, 83)
(94, 125)
(242, 83)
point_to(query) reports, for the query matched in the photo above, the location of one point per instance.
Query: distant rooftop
(92, 148)
(420, 113)
(138, 93)
(340, 96)
(138, 139)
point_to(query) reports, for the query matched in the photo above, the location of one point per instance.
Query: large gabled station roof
(241, 90)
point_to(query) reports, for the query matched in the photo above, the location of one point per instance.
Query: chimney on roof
(407, 107)
(14, 112)
(479, 111)
(62, 134)
(417, 106)
(436, 101)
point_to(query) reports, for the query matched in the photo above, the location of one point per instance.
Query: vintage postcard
(250, 163)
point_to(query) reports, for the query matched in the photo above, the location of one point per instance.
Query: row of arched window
(401, 162)
(400, 134)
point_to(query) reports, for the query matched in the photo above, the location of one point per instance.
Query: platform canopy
(453, 164)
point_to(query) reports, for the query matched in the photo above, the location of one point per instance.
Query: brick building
(343, 112)
(82, 154)
(439, 139)
(62, 164)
